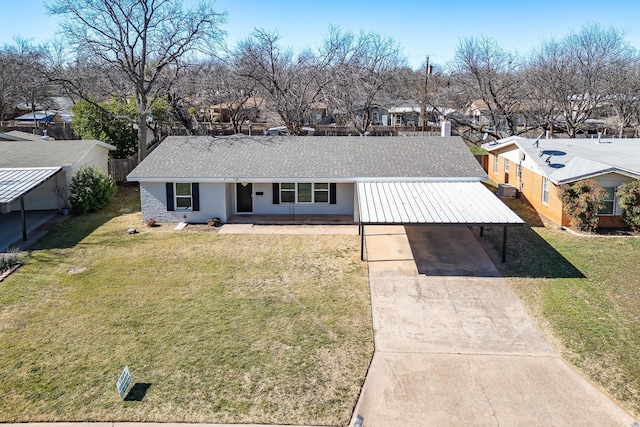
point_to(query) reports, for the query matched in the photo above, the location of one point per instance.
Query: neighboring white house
(32, 170)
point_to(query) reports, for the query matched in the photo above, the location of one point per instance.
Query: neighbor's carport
(15, 183)
(432, 203)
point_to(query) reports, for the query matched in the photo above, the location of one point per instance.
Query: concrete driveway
(454, 346)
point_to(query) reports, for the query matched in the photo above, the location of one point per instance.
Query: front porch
(294, 219)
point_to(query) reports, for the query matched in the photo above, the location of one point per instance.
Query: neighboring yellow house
(536, 167)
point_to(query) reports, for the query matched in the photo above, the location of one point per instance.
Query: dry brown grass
(215, 328)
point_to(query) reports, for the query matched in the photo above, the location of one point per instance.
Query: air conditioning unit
(507, 191)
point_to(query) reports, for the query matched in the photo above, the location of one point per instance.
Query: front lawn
(584, 292)
(215, 328)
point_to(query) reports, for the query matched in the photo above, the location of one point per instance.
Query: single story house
(370, 180)
(536, 167)
(32, 171)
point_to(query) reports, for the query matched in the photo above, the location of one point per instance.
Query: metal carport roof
(15, 183)
(432, 203)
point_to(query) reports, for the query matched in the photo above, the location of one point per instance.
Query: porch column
(24, 219)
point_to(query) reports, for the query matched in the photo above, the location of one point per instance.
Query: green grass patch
(215, 328)
(584, 294)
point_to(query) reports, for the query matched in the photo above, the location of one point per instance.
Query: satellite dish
(522, 156)
(484, 136)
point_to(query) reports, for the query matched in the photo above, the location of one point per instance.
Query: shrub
(581, 201)
(9, 259)
(91, 190)
(628, 196)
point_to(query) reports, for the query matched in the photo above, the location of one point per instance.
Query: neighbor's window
(304, 192)
(519, 171)
(609, 201)
(506, 165)
(545, 190)
(495, 163)
(288, 192)
(184, 200)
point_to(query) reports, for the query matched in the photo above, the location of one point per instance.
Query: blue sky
(423, 28)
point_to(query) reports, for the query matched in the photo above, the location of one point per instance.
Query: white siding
(264, 204)
(153, 197)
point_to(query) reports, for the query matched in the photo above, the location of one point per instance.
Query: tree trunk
(142, 136)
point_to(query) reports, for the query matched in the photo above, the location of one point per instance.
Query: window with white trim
(545, 190)
(495, 163)
(183, 196)
(609, 201)
(304, 192)
(287, 192)
(506, 165)
(519, 171)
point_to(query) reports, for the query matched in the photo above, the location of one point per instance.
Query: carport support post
(24, 220)
(504, 244)
(361, 229)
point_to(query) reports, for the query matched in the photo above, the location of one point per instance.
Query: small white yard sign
(123, 382)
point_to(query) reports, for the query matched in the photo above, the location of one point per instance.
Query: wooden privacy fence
(120, 168)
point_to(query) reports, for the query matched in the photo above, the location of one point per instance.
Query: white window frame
(296, 193)
(545, 190)
(506, 165)
(612, 201)
(519, 171)
(177, 197)
(495, 163)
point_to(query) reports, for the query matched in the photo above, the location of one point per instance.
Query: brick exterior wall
(530, 190)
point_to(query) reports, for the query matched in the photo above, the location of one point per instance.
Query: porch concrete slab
(415, 389)
(289, 229)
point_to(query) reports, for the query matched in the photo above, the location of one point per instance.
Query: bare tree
(292, 82)
(622, 88)
(31, 85)
(572, 74)
(8, 77)
(484, 71)
(139, 38)
(364, 73)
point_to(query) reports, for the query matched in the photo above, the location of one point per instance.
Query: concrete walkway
(455, 347)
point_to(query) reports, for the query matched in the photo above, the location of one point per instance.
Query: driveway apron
(454, 345)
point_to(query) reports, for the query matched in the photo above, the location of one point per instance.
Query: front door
(243, 197)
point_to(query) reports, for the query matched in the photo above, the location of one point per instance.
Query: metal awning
(15, 183)
(432, 203)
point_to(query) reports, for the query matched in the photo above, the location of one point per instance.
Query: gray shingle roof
(264, 157)
(38, 154)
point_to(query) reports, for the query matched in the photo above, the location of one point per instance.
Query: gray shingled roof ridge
(327, 157)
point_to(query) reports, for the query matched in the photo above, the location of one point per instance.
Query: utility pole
(427, 71)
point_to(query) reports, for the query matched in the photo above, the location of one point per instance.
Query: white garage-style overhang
(432, 203)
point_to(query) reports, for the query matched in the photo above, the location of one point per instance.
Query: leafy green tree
(581, 201)
(110, 122)
(115, 122)
(91, 190)
(628, 196)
